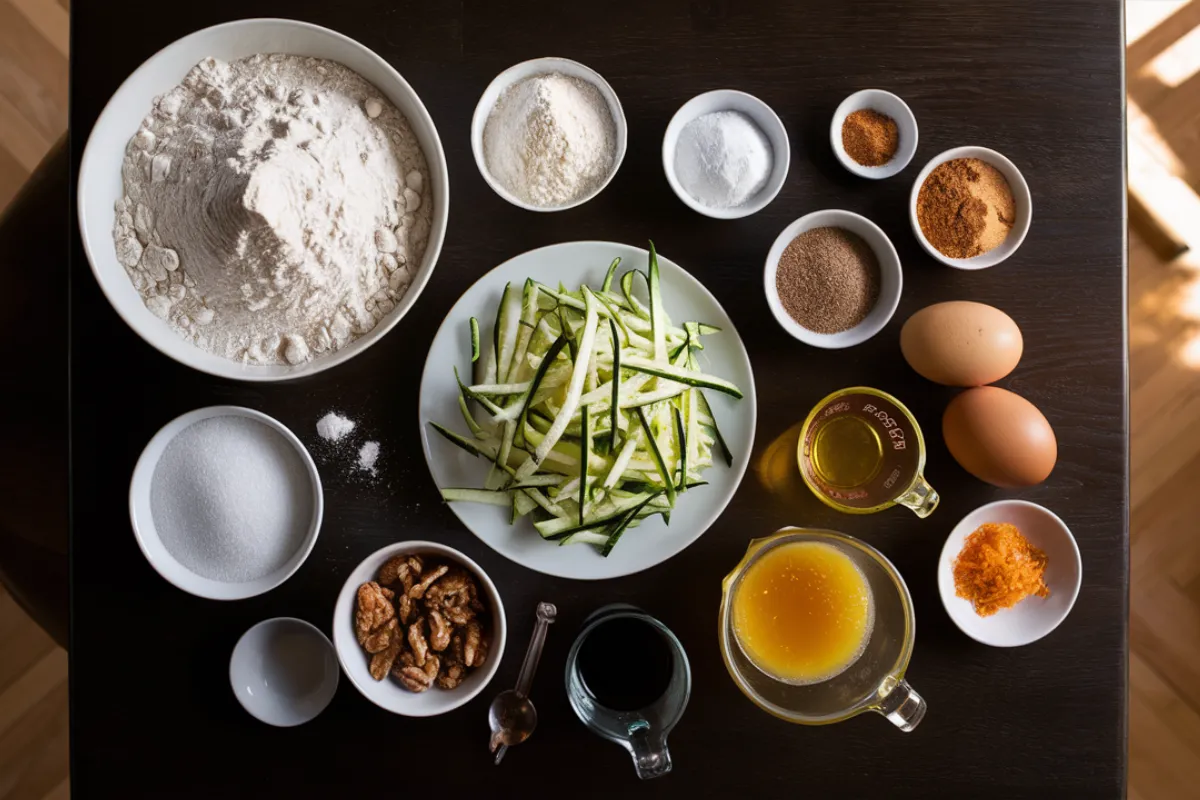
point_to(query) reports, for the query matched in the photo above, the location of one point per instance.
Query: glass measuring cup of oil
(817, 627)
(861, 451)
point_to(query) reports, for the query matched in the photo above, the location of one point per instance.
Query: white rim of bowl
(433, 244)
(499, 621)
(505, 81)
(891, 168)
(794, 328)
(1021, 193)
(181, 424)
(948, 557)
(760, 200)
(275, 621)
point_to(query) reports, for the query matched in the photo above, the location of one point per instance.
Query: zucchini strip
(615, 403)
(681, 375)
(656, 454)
(707, 409)
(623, 525)
(475, 448)
(474, 340)
(683, 459)
(585, 447)
(608, 277)
(538, 376)
(574, 388)
(492, 498)
(658, 317)
(469, 418)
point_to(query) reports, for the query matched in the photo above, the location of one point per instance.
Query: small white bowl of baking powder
(726, 154)
(573, 158)
(225, 502)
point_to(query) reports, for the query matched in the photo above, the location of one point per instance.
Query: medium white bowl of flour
(263, 199)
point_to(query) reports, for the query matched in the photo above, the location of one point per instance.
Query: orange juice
(803, 612)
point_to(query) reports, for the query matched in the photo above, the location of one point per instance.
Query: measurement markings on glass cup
(889, 423)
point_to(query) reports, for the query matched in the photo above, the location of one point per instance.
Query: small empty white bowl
(283, 671)
(388, 694)
(1021, 196)
(885, 103)
(528, 69)
(1033, 617)
(767, 121)
(160, 557)
(891, 278)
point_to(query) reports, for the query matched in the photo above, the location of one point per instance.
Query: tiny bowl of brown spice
(970, 208)
(833, 279)
(419, 628)
(1009, 573)
(874, 134)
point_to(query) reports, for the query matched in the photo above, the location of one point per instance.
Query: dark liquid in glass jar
(626, 664)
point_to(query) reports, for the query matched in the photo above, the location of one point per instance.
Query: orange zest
(998, 568)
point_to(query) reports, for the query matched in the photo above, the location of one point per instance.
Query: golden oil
(847, 452)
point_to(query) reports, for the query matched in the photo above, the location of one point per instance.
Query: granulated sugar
(231, 499)
(333, 427)
(368, 454)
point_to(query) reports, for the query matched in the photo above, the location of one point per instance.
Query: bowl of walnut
(419, 628)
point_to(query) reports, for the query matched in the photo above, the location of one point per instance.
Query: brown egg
(961, 343)
(999, 437)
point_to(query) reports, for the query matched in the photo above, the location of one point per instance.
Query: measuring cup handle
(903, 706)
(651, 758)
(921, 498)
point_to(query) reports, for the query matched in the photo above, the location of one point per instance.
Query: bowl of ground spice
(833, 279)
(1009, 573)
(874, 134)
(970, 208)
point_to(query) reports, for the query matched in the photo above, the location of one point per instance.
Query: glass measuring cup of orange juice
(861, 451)
(817, 627)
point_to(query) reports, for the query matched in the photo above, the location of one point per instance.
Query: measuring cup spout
(921, 498)
(651, 758)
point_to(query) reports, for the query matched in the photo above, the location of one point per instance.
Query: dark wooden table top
(152, 711)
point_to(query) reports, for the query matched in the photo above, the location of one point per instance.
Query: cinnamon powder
(870, 138)
(965, 208)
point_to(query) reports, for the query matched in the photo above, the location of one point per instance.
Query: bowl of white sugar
(548, 134)
(726, 154)
(225, 502)
(263, 200)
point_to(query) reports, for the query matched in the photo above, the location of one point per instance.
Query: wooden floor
(1164, 315)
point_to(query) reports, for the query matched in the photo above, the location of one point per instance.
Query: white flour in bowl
(276, 207)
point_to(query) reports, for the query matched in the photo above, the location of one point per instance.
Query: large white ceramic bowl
(1033, 617)
(1021, 194)
(891, 278)
(767, 121)
(387, 693)
(146, 533)
(528, 69)
(652, 542)
(100, 175)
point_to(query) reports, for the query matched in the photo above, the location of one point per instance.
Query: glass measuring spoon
(512, 716)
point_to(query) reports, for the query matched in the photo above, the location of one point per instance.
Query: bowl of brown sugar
(970, 208)
(833, 279)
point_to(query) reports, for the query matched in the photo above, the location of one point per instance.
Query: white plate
(1033, 617)
(100, 176)
(650, 543)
